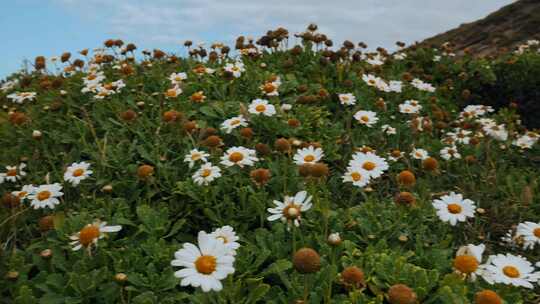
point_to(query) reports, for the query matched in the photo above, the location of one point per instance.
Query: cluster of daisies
(94, 83)
(209, 261)
(501, 268)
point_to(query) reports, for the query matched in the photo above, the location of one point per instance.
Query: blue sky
(51, 27)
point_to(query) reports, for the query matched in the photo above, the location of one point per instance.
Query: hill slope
(503, 29)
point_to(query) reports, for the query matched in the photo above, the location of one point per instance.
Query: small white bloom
(233, 123)
(194, 156)
(347, 99)
(368, 118)
(206, 174)
(290, 210)
(453, 208)
(261, 106)
(77, 172)
(239, 156)
(309, 155)
(204, 265)
(46, 196)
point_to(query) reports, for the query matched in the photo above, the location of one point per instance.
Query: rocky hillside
(498, 32)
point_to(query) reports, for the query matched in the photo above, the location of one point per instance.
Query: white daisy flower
(239, 156)
(309, 155)
(453, 208)
(450, 152)
(357, 176)
(46, 196)
(14, 173)
(497, 132)
(24, 192)
(261, 106)
(229, 238)
(233, 123)
(177, 78)
(468, 259)
(20, 97)
(419, 154)
(460, 136)
(510, 270)
(395, 86)
(204, 265)
(530, 232)
(286, 107)
(290, 210)
(77, 172)
(410, 107)
(235, 69)
(194, 156)
(206, 174)
(347, 99)
(173, 92)
(368, 118)
(422, 86)
(388, 129)
(372, 164)
(90, 234)
(270, 88)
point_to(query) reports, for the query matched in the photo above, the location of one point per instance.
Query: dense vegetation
(303, 174)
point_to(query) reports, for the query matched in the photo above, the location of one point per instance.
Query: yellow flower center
(260, 108)
(43, 195)
(356, 176)
(511, 271)
(369, 166)
(195, 156)
(236, 157)
(364, 118)
(225, 241)
(12, 172)
(206, 264)
(78, 172)
(235, 122)
(454, 208)
(309, 158)
(91, 77)
(88, 234)
(206, 172)
(22, 194)
(536, 232)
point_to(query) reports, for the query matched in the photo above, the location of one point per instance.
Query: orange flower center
(197, 97)
(511, 271)
(91, 77)
(12, 172)
(260, 108)
(269, 88)
(206, 264)
(171, 93)
(536, 232)
(369, 166)
(364, 118)
(309, 158)
(236, 157)
(22, 194)
(454, 208)
(466, 263)
(206, 172)
(88, 234)
(356, 176)
(78, 172)
(235, 122)
(195, 156)
(43, 195)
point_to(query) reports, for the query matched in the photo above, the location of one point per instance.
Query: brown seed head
(487, 297)
(406, 178)
(401, 294)
(306, 260)
(260, 176)
(353, 277)
(145, 171)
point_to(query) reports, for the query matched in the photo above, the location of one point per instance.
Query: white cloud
(377, 22)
